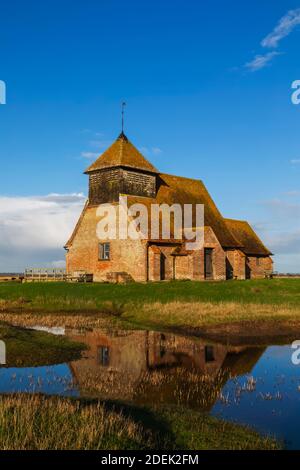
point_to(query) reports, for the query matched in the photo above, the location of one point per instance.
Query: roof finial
(123, 107)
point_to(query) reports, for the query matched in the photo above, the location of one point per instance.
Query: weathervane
(123, 107)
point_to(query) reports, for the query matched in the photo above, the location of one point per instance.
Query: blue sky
(208, 92)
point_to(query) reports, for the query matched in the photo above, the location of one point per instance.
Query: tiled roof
(122, 153)
(178, 190)
(244, 233)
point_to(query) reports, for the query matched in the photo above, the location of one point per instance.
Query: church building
(231, 250)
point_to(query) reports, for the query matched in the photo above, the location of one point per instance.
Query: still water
(257, 385)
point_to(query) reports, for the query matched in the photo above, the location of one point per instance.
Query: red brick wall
(169, 261)
(126, 256)
(236, 261)
(183, 267)
(192, 266)
(258, 267)
(153, 265)
(154, 262)
(129, 257)
(219, 256)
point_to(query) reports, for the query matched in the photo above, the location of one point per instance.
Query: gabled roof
(179, 190)
(244, 233)
(122, 153)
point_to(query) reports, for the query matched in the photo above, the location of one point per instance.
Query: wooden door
(162, 267)
(208, 265)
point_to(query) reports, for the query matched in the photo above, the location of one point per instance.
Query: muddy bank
(244, 332)
(259, 333)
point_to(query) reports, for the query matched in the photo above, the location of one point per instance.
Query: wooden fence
(45, 274)
(55, 274)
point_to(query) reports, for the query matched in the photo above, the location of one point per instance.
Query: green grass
(180, 305)
(91, 297)
(28, 348)
(39, 422)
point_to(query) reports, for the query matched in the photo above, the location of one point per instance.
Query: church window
(104, 251)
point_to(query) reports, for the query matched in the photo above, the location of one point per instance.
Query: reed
(37, 422)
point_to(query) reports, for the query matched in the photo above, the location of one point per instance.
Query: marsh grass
(34, 422)
(16, 304)
(70, 320)
(200, 314)
(185, 317)
(37, 422)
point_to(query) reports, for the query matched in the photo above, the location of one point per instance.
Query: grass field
(178, 304)
(39, 422)
(75, 297)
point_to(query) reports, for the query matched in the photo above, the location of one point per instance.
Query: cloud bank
(34, 229)
(282, 233)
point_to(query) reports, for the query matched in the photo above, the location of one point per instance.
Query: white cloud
(100, 144)
(282, 210)
(61, 263)
(261, 61)
(148, 151)
(97, 143)
(34, 229)
(89, 131)
(294, 192)
(282, 233)
(285, 26)
(286, 243)
(295, 161)
(156, 150)
(89, 155)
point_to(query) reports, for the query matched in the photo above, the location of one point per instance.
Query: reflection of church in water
(152, 367)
